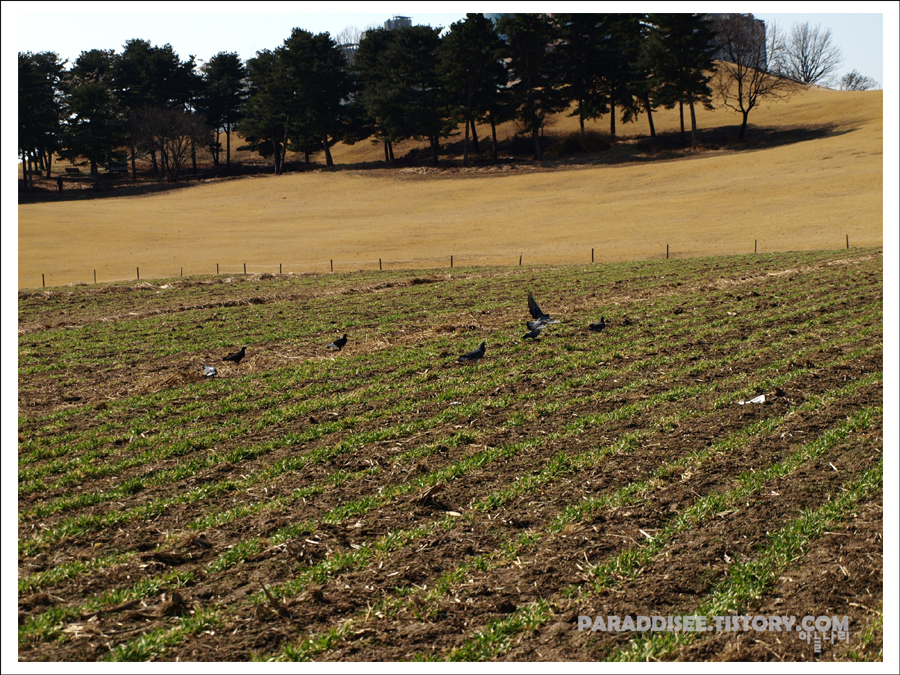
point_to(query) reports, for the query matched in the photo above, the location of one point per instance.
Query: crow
(472, 356)
(534, 330)
(339, 343)
(237, 356)
(536, 312)
(209, 371)
(598, 326)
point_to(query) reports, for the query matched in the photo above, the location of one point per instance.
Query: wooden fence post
(667, 251)
(43, 285)
(279, 268)
(520, 260)
(848, 242)
(754, 245)
(332, 265)
(451, 261)
(245, 268)
(95, 276)
(379, 264)
(592, 255)
(217, 269)
(138, 273)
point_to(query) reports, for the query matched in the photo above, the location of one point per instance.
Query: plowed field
(388, 503)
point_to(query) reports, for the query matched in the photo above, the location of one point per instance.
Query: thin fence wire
(432, 263)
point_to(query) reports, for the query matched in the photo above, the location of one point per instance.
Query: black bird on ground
(534, 330)
(474, 355)
(598, 326)
(209, 371)
(536, 312)
(339, 343)
(237, 356)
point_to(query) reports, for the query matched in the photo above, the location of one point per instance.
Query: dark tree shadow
(121, 185)
(511, 151)
(668, 146)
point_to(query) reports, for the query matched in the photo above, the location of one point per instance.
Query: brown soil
(839, 574)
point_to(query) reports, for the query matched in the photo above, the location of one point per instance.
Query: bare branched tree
(173, 134)
(351, 35)
(349, 39)
(776, 50)
(751, 60)
(854, 81)
(810, 55)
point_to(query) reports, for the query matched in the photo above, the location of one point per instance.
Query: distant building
(398, 22)
(755, 31)
(349, 51)
(393, 23)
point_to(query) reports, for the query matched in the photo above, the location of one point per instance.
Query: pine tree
(399, 86)
(223, 95)
(472, 73)
(534, 71)
(681, 48)
(40, 110)
(317, 71)
(581, 51)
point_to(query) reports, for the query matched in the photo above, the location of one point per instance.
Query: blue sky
(203, 29)
(859, 35)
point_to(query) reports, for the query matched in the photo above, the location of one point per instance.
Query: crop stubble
(342, 539)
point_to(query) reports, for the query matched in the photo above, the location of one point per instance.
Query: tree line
(415, 82)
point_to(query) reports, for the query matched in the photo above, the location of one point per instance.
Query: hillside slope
(810, 176)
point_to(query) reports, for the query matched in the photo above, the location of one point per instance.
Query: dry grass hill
(809, 176)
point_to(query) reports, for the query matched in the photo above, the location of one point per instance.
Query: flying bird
(536, 312)
(209, 371)
(237, 356)
(339, 343)
(474, 355)
(598, 326)
(534, 330)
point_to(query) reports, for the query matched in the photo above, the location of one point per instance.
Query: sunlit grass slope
(805, 192)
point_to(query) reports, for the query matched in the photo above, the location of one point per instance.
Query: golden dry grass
(797, 195)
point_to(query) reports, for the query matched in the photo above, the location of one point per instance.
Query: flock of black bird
(539, 321)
